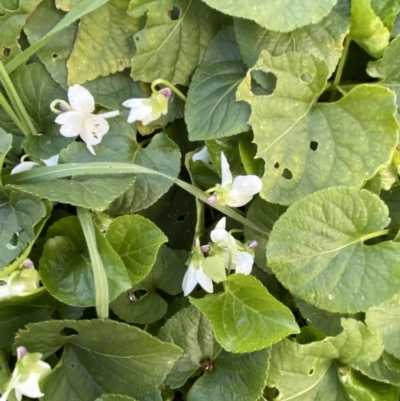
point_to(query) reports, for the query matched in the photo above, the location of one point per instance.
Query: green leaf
(192, 332)
(387, 11)
(305, 372)
(305, 144)
(385, 68)
(161, 154)
(357, 344)
(323, 40)
(18, 218)
(16, 312)
(166, 275)
(283, 16)
(12, 20)
(367, 29)
(246, 317)
(172, 48)
(379, 371)
(54, 55)
(65, 267)
(94, 192)
(137, 241)
(317, 250)
(362, 388)
(211, 108)
(5, 146)
(384, 320)
(248, 151)
(101, 357)
(232, 377)
(109, 50)
(264, 214)
(235, 378)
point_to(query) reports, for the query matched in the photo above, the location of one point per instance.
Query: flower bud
(252, 244)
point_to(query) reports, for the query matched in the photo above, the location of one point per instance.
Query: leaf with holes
(13, 15)
(211, 108)
(246, 317)
(161, 154)
(282, 16)
(65, 266)
(318, 250)
(306, 145)
(323, 40)
(367, 29)
(107, 52)
(143, 304)
(174, 39)
(96, 351)
(18, 217)
(309, 373)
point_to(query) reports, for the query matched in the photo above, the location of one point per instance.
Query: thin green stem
(168, 85)
(375, 235)
(106, 168)
(339, 71)
(99, 275)
(7, 108)
(56, 102)
(16, 101)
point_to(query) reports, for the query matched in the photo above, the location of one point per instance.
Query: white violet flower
(23, 166)
(28, 372)
(80, 120)
(235, 192)
(195, 274)
(150, 109)
(235, 253)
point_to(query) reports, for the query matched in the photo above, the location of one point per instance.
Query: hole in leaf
(311, 371)
(175, 13)
(262, 83)
(182, 216)
(136, 37)
(13, 242)
(276, 165)
(6, 51)
(306, 77)
(135, 296)
(313, 145)
(55, 55)
(72, 366)
(287, 174)
(68, 332)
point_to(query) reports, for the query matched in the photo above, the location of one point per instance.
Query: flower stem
(16, 102)
(7, 108)
(99, 275)
(57, 102)
(339, 71)
(168, 85)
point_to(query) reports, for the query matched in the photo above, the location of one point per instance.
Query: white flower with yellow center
(195, 274)
(80, 120)
(238, 191)
(148, 110)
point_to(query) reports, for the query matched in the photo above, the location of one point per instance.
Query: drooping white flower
(195, 274)
(233, 251)
(51, 161)
(236, 192)
(148, 110)
(23, 166)
(202, 155)
(80, 120)
(21, 282)
(28, 372)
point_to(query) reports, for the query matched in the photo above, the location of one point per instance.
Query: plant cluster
(200, 200)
